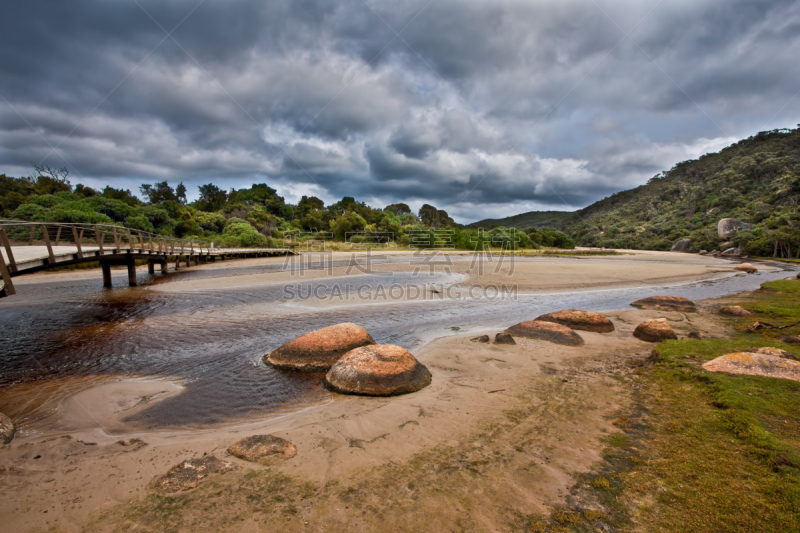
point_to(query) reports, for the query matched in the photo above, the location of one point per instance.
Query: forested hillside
(531, 219)
(254, 216)
(756, 180)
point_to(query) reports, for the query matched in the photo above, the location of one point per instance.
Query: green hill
(531, 219)
(756, 180)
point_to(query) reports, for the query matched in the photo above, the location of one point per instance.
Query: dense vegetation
(255, 216)
(531, 219)
(756, 180)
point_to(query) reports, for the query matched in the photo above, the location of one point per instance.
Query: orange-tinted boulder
(378, 370)
(667, 303)
(580, 320)
(257, 447)
(320, 349)
(755, 364)
(746, 267)
(656, 330)
(7, 429)
(734, 310)
(546, 331)
(504, 338)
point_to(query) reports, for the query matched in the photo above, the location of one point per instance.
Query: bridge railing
(107, 238)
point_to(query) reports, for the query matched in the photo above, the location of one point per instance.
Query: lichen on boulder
(580, 320)
(546, 331)
(258, 447)
(377, 370)
(755, 364)
(320, 349)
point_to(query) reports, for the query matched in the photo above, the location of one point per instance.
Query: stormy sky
(483, 108)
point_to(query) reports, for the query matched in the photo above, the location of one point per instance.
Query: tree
(180, 192)
(398, 209)
(160, 192)
(212, 198)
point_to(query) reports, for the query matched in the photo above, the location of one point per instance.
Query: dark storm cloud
(483, 108)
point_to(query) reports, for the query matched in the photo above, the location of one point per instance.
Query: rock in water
(746, 267)
(580, 320)
(482, 338)
(320, 349)
(656, 330)
(734, 310)
(682, 245)
(727, 227)
(7, 429)
(504, 338)
(699, 335)
(378, 370)
(666, 303)
(257, 447)
(755, 364)
(546, 331)
(188, 474)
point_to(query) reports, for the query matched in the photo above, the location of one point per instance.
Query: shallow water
(213, 341)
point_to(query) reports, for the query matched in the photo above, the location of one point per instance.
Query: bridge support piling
(151, 267)
(164, 267)
(131, 273)
(106, 274)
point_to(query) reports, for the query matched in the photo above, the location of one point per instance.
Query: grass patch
(719, 452)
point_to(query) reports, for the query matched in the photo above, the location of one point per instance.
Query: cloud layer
(483, 108)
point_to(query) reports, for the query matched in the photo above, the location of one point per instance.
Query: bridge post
(9, 287)
(131, 273)
(106, 266)
(164, 267)
(151, 267)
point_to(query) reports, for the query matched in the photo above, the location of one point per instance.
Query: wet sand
(541, 408)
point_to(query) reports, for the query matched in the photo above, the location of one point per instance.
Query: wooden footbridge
(29, 247)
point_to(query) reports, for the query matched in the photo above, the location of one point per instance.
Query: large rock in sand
(504, 338)
(257, 447)
(378, 370)
(682, 245)
(7, 429)
(546, 331)
(746, 267)
(734, 310)
(699, 335)
(320, 349)
(727, 227)
(656, 330)
(188, 474)
(666, 303)
(580, 320)
(755, 364)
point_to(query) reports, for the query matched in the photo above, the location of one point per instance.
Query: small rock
(794, 339)
(257, 447)
(482, 338)
(580, 320)
(666, 303)
(700, 335)
(755, 364)
(546, 331)
(320, 349)
(702, 252)
(188, 474)
(714, 252)
(770, 350)
(378, 370)
(734, 310)
(504, 338)
(746, 267)
(656, 330)
(7, 429)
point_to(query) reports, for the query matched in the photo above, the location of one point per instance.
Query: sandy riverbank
(502, 428)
